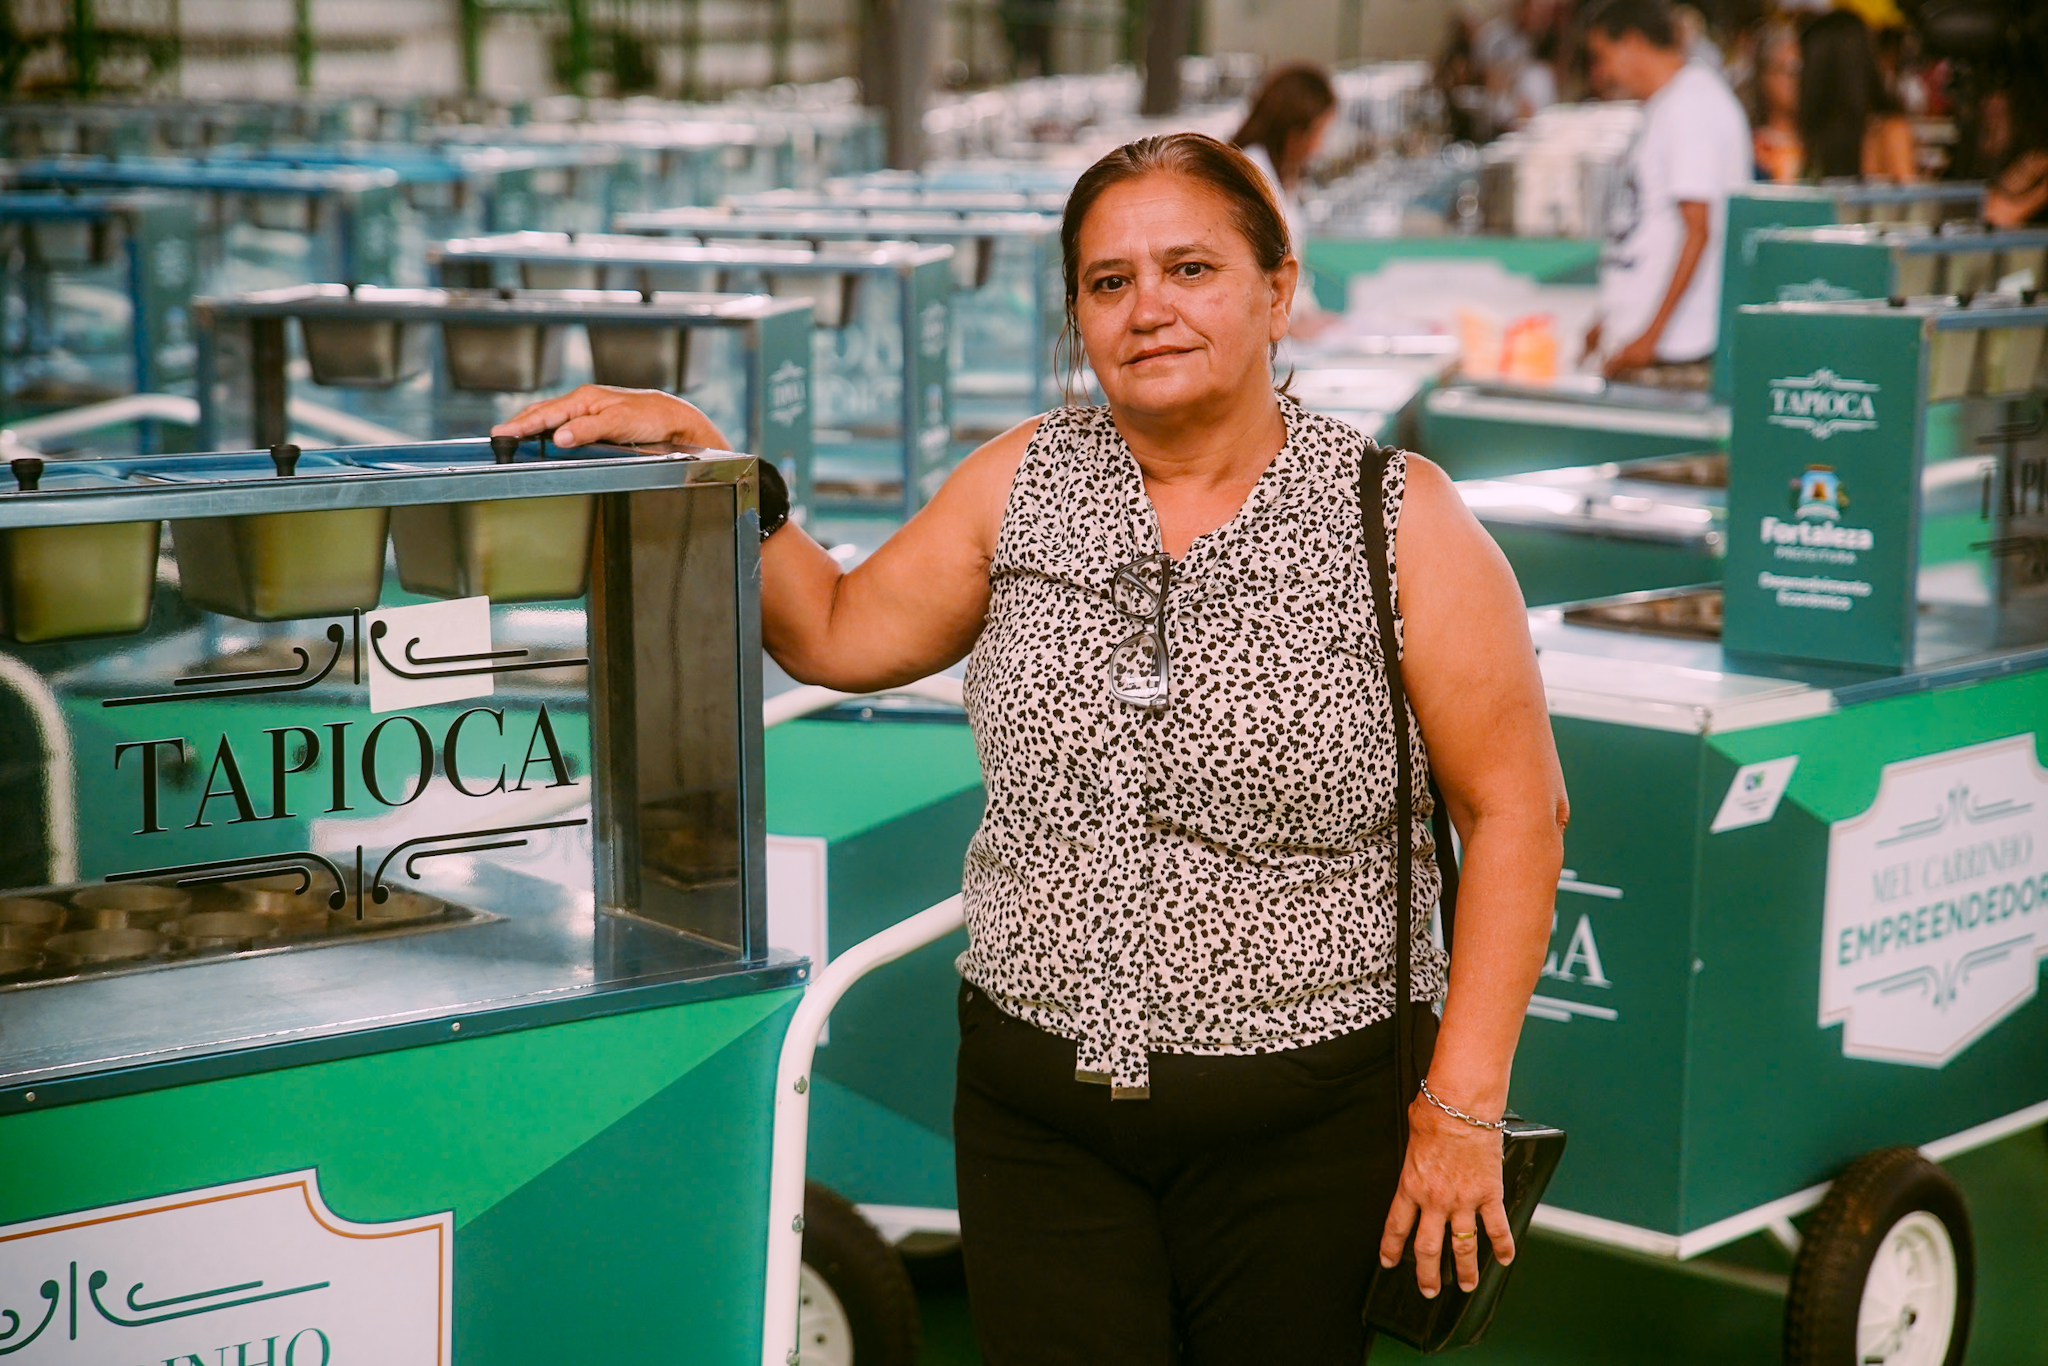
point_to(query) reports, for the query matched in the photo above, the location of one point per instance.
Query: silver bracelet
(1497, 1125)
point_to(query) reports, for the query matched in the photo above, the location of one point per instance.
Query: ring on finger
(1461, 1237)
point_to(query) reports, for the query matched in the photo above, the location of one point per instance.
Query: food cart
(384, 972)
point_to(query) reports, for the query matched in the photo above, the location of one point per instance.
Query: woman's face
(1173, 309)
(1781, 81)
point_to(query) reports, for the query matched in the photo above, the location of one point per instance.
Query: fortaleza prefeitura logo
(1823, 404)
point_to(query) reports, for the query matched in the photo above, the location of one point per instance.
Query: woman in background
(1774, 107)
(1291, 113)
(1849, 122)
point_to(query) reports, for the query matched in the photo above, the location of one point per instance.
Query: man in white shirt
(1660, 275)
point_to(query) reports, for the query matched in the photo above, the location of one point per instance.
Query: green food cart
(384, 971)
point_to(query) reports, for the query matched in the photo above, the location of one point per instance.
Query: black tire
(865, 1274)
(1866, 1203)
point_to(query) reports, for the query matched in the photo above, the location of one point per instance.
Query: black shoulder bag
(1530, 1152)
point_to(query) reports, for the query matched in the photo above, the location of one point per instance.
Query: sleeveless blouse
(1216, 876)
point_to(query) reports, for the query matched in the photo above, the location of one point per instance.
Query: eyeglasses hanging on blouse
(1140, 666)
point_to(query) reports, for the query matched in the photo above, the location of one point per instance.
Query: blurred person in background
(1774, 107)
(1850, 123)
(2016, 194)
(1290, 115)
(1660, 275)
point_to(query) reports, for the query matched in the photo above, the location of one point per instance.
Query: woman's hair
(1840, 91)
(1215, 166)
(1773, 37)
(1290, 99)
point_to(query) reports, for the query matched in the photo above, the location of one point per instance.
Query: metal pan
(635, 357)
(18, 963)
(72, 582)
(506, 549)
(279, 566)
(560, 275)
(87, 948)
(353, 353)
(515, 358)
(236, 930)
(2011, 356)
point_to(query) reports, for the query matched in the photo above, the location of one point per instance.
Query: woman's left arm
(1472, 679)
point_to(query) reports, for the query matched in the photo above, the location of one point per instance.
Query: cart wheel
(856, 1304)
(1885, 1275)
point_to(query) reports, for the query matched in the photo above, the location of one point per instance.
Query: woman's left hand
(1450, 1187)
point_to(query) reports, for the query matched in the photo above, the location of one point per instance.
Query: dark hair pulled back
(1288, 102)
(1216, 166)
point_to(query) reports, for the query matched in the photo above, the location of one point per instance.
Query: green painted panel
(1612, 1073)
(872, 1154)
(1841, 755)
(834, 779)
(1488, 448)
(1552, 566)
(459, 1125)
(893, 1037)
(1822, 512)
(648, 1243)
(1773, 1106)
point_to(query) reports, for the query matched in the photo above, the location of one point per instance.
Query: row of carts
(503, 705)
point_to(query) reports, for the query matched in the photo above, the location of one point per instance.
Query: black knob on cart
(28, 473)
(285, 455)
(504, 449)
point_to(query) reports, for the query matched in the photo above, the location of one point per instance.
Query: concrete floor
(1572, 1306)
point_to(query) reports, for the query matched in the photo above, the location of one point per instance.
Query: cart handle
(791, 1136)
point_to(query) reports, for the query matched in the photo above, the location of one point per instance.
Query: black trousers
(1232, 1219)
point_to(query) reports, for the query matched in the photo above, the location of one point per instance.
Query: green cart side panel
(869, 1152)
(834, 779)
(647, 1243)
(1547, 260)
(608, 1177)
(1614, 1080)
(898, 801)
(1554, 567)
(1774, 1105)
(454, 1126)
(1488, 448)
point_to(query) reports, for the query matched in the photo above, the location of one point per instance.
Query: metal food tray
(449, 916)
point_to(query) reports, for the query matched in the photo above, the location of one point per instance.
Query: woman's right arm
(912, 608)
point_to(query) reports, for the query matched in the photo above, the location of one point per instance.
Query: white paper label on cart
(249, 1272)
(431, 652)
(1937, 904)
(1754, 795)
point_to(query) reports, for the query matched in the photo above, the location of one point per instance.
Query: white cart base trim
(1684, 1246)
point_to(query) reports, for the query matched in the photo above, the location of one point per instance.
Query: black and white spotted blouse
(1216, 876)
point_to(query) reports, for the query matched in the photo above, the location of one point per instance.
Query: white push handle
(791, 1139)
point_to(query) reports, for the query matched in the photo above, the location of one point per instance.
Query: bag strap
(1373, 513)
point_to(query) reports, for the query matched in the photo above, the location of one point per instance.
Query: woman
(1173, 1126)
(1849, 123)
(1774, 107)
(1290, 115)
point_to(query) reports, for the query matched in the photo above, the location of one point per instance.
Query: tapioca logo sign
(345, 762)
(1823, 403)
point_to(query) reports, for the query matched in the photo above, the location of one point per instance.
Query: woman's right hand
(626, 417)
